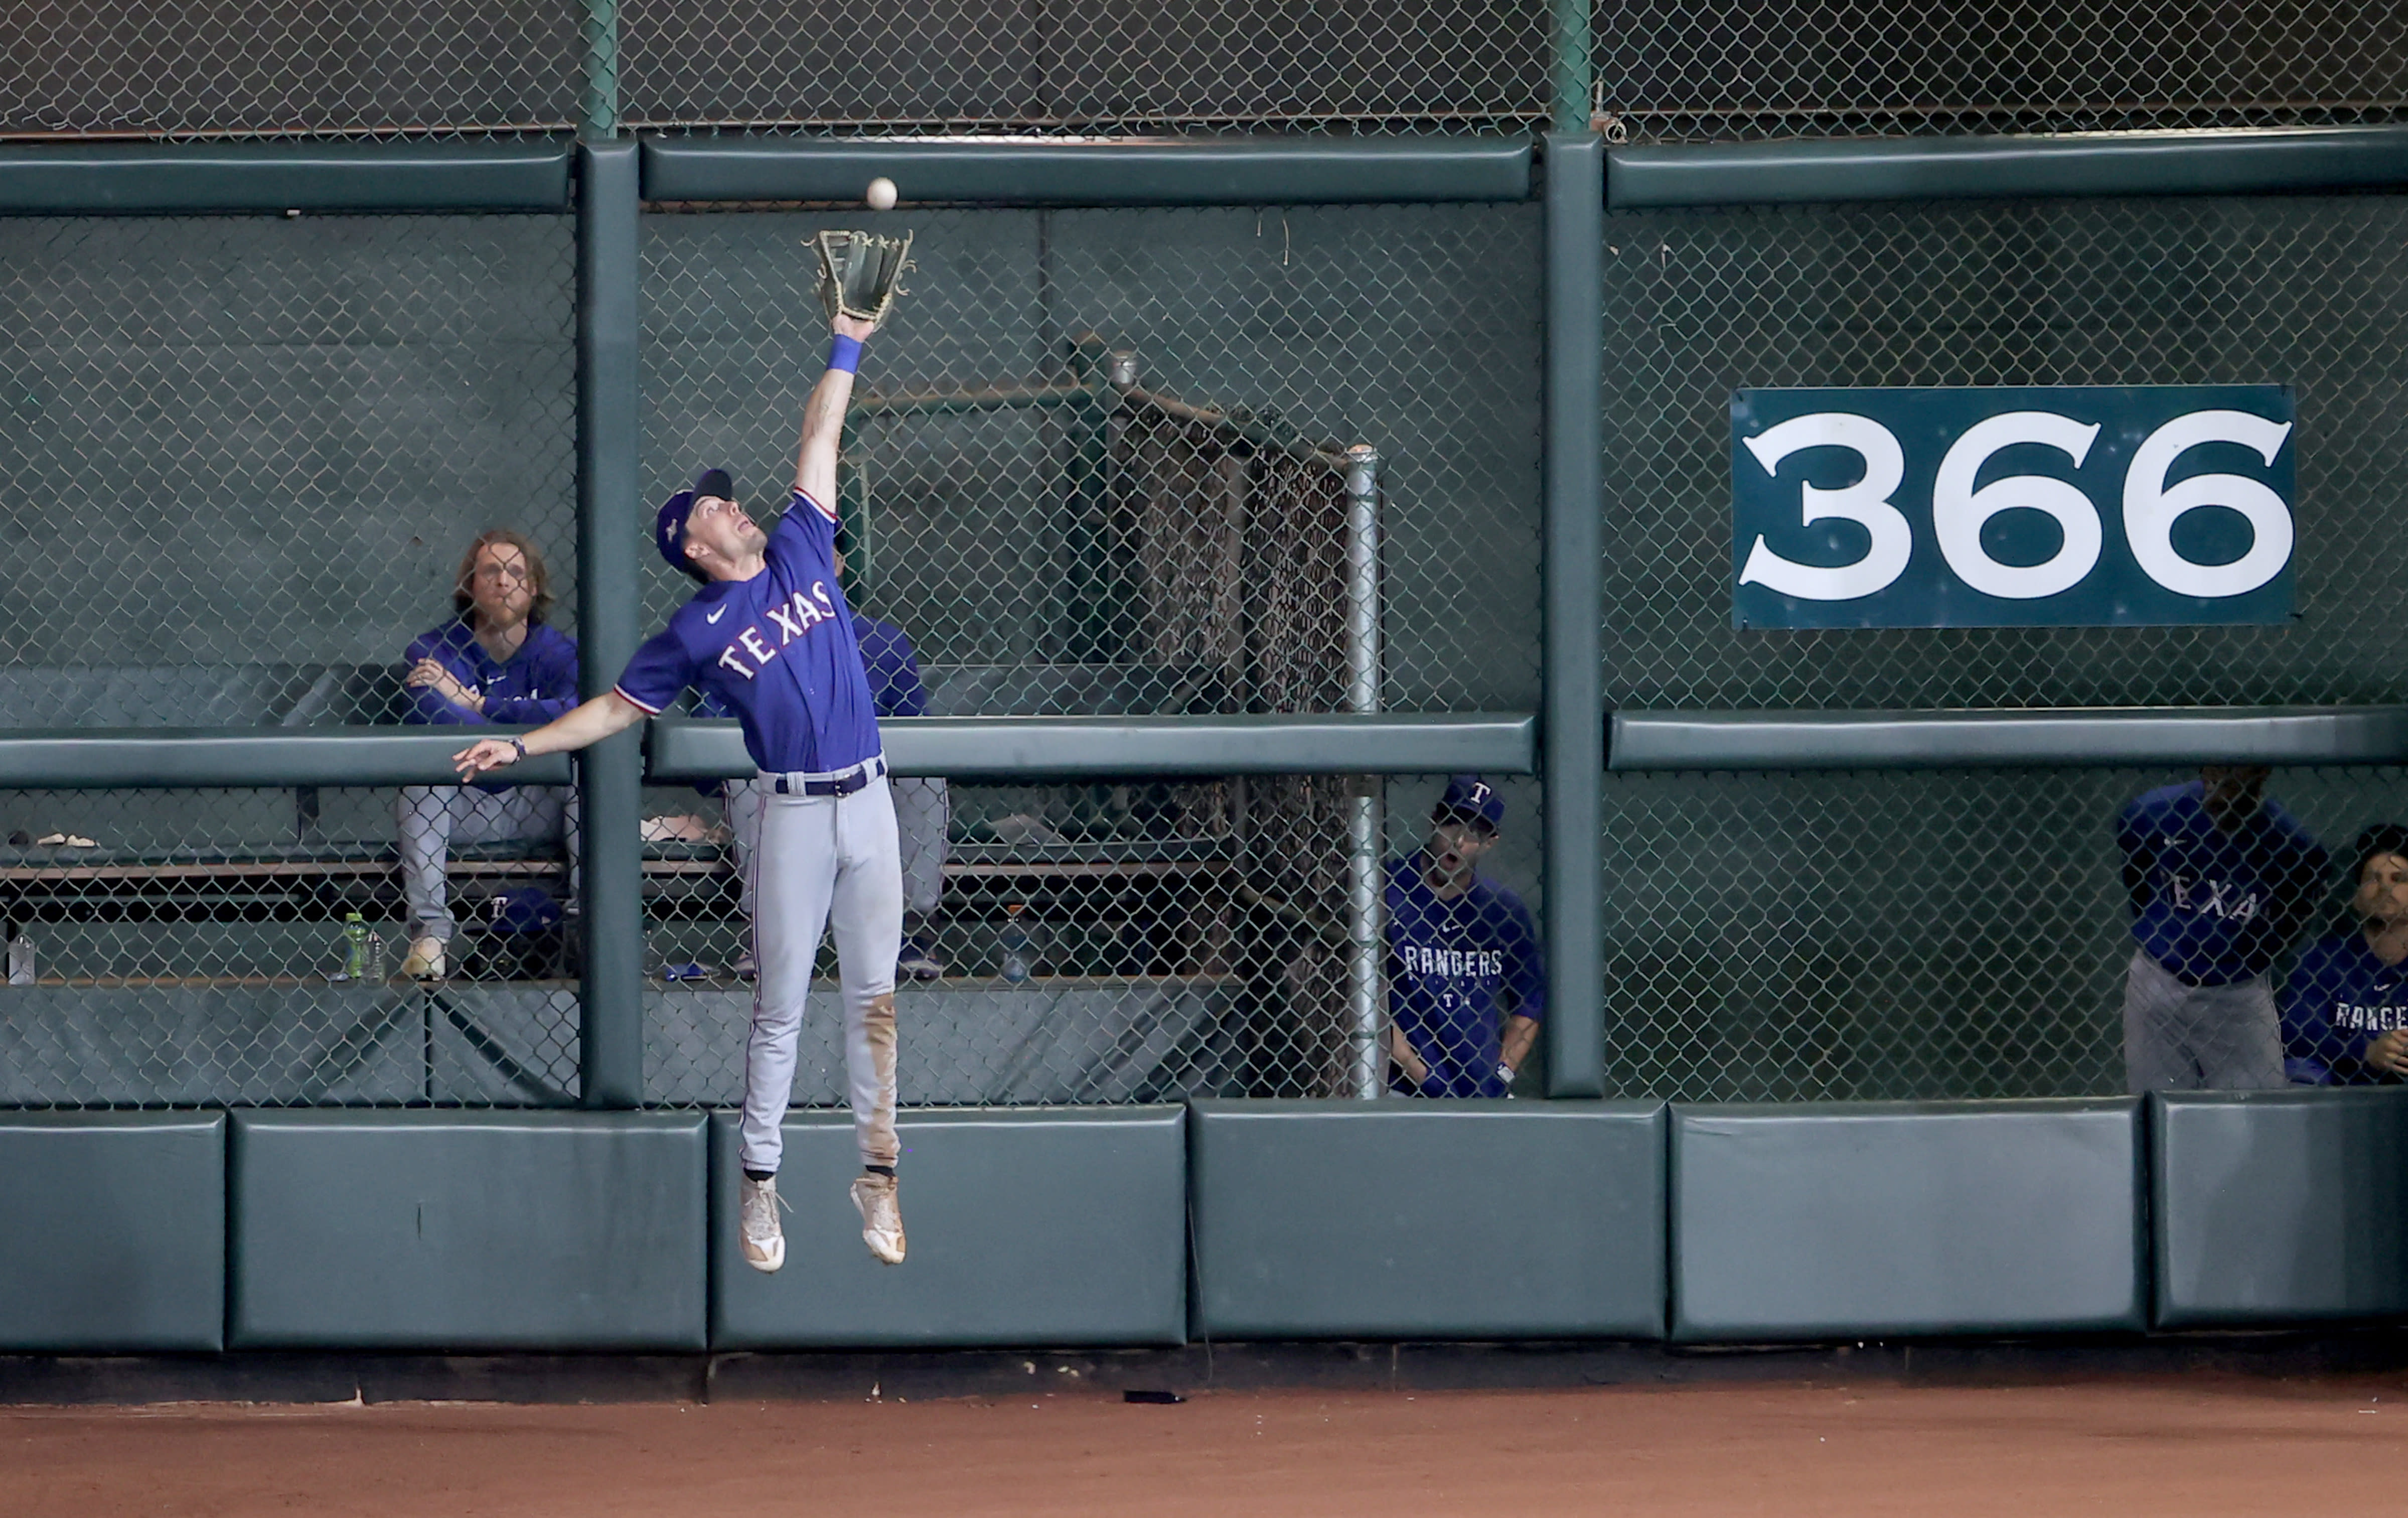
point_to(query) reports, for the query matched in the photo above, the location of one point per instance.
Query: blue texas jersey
(2335, 1000)
(2212, 906)
(777, 650)
(533, 686)
(1457, 968)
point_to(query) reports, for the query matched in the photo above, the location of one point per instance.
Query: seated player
(2221, 880)
(2346, 1004)
(496, 661)
(923, 809)
(1465, 983)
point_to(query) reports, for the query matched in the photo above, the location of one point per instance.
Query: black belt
(846, 783)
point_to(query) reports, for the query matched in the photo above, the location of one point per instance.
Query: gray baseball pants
(923, 814)
(824, 862)
(430, 818)
(2193, 1038)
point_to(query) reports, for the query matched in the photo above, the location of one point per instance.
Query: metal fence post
(599, 113)
(610, 776)
(1365, 945)
(1572, 756)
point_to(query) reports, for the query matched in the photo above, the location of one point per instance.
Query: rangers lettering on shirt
(1422, 960)
(803, 611)
(2374, 1019)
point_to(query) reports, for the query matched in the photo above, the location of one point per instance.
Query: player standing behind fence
(770, 638)
(1466, 984)
(2221, 880)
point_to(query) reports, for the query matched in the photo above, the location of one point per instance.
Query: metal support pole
(1574, 81)
(1573, 744)
(1364, 943)
(599, 113)
(609, 775)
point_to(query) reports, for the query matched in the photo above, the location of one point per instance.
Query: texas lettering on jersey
(804, 611)
(2211, 898)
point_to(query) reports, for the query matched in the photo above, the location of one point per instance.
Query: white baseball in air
(881, 194)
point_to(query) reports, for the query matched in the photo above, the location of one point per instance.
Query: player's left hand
(430, 674)
(859, 328)
(2389, 1052)
(485, 754)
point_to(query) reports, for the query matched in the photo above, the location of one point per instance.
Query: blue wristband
(845, 354)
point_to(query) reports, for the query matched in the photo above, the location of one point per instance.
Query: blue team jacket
(2335, 1000)
(2211, 906)
(1457, 969)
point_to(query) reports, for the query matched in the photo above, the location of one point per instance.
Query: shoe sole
(777, 1258)
(871, 1239)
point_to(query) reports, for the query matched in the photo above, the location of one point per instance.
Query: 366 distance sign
(2065, 506)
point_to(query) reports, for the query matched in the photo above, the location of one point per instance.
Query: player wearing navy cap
(770, 638)
(2221, 880)
(2346, 1002)
(1466, 984)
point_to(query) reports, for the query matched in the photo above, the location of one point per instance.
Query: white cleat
(881, 1217)
(765, 1242)
(425, 961)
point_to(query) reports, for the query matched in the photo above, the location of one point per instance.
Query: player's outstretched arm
(590, 723)
(823, 415)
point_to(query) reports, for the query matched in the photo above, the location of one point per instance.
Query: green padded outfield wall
(1823, 1221)
(112, 1231)
(1033, 1227)
(452, 1230)
(1427, 1219)
(2279, 1207)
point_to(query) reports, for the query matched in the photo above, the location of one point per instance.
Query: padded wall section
(467, 1230)
(2276, 1206)
(112, 1231)
(1427, 1219)
(1841, 1221)
(1050, 1226)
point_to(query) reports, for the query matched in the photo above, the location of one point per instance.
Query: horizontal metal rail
(1926, 740)
(99, 759)
(1806, 170)
(1069, 747)
(184, 178)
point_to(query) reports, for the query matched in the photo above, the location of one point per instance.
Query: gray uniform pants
(430, 818)
(2192, 1038)
(822, 862)
(923, 814)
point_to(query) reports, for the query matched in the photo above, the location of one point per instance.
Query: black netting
(115, 67)
(257, 447)
(1669, 70)
(2303, 291)
(1074, 65)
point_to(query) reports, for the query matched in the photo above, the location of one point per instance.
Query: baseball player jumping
(769, 637)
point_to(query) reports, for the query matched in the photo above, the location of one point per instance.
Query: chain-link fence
(1092, 465)
(1676, 69)
(289, 67)
(248, 457)
(1889, 935)
(2296, 290)
(1131, 941)
(1075, 67)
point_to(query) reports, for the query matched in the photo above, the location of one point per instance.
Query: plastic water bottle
(355, 946)
(1015, 944)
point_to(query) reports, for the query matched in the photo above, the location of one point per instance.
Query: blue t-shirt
(2335, 1000)
(2215, 907)
(1457, 968)
(533, 685)
(893, 670)
(778, 651)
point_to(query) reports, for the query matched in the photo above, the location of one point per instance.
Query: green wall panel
(2278, 1207)
(1427, 1219)
(467, 1230)
(112, 1231)
(1052, 1226)
(1841, 1221)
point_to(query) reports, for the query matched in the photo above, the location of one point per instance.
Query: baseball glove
(860, 275)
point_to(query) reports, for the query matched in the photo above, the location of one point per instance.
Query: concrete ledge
(1853, 1221)
(464, 1230)
(2279, 1207)
(1427, 1219)
(96, 759)
(112, 1231)
(1145, 172)
(1059, 1225)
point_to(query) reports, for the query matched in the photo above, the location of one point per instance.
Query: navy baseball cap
(669, 528)
(1474, 800)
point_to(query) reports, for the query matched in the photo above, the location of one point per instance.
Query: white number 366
(1958, 511)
